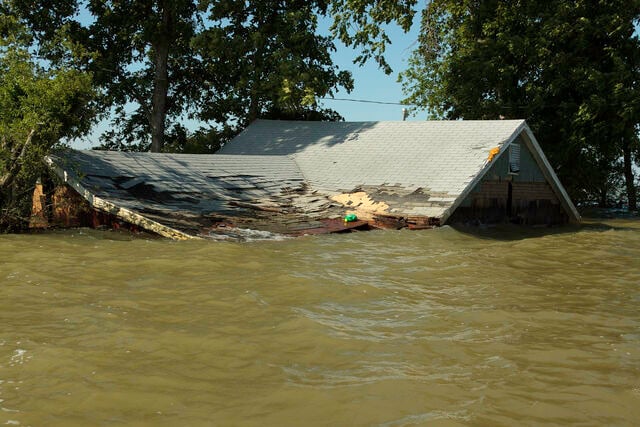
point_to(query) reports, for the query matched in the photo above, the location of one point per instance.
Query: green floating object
(350, 218)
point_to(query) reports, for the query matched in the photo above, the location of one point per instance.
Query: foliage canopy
(159, 62)
(39, 106)
(571, 69)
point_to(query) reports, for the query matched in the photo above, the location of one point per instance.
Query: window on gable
(514, 159)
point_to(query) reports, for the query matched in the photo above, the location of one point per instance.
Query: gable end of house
(518, 185)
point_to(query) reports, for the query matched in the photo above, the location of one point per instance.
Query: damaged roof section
(197, 194)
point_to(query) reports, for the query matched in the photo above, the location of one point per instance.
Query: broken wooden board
(335, 225)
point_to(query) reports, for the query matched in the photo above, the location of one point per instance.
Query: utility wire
(366, 101)
(503, 107)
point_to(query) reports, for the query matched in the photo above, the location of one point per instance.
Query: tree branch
(16, 162)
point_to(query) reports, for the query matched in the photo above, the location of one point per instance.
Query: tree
(361, 24)
(143, 57)
(38, 108)
(159, 61)
(266, 59)
(140, 56)
(569, 68)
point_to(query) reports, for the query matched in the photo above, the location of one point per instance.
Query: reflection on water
(439, 327)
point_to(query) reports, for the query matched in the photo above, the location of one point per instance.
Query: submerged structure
(299, 178)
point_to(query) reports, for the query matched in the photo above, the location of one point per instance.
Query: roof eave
(550, 175)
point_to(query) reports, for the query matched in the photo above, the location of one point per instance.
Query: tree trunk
(604, 199)
(254, 106)
(15, 162)
(161, 80)
(628, 174)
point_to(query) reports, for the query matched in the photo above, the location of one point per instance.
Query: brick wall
(69, 209)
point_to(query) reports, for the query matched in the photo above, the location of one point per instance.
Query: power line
(502, 107)
(367, 101)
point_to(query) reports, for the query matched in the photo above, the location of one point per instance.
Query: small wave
(18, 357)
(242, 235)
(462, 415)
(370, 373)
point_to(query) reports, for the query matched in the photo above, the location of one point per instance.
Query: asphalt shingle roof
(113, 174)
(285, 176)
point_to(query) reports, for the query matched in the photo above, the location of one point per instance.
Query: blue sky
(373, 84)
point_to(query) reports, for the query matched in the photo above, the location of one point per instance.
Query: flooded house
(296, 178)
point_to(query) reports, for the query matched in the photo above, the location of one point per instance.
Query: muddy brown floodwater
(389, 328)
